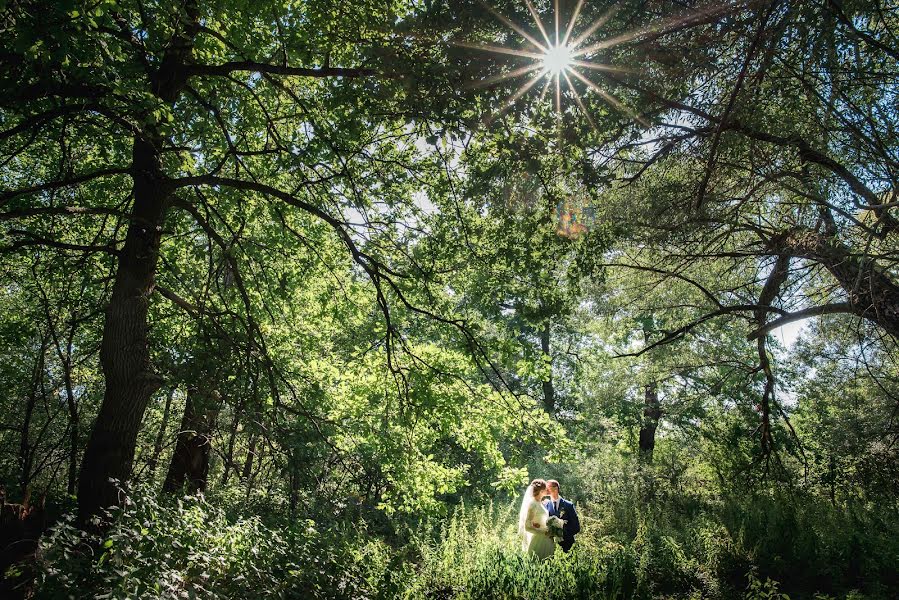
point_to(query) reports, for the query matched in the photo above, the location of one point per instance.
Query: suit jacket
(568, 514)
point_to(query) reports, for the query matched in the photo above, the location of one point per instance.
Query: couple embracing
(544, 522)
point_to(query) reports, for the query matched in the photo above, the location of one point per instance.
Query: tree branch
(63, 211)
(257, 67)
(178, 300)
(65, 182)
(34, 240)
(815, 311)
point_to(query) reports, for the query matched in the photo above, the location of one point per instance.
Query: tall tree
(205, 103)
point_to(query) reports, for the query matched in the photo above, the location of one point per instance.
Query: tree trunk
(549, 394)
(160, 435)
(248, 462)
(770, 292)
(124, 354)
(255, 467)
(294, 481)
(871, 293)
(652, 412)
(232, 440)
(26, 455)
(72, 405)
(190, 460)
(25, 452)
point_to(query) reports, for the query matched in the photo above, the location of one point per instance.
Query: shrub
(185, 548)
(478, 556)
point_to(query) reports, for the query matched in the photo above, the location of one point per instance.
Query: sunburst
(565, 55)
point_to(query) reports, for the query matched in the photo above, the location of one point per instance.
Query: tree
(777, 164)
(163, 104)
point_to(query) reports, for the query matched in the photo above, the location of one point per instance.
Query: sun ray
(580, 103)
(602, 20)
(601, 67)
(538, 21)
(577, 11)
(558, 95)
(545, 89)
(697, 17)
(499, 49)
(503, 76)
(515, 27)
(521, 91)
(560, 57)
(556, 15)
(610, 99)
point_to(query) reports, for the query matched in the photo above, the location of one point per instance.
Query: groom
(557, 506)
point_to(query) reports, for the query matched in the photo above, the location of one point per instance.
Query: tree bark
(160, 435)
(26, 455)
(549, 394)
(190, 460)
(130, 377)
(124, 353)
(652, 412)
(72, 405)
(232, 440)
(771, 291)
(255, 467)
(871, 293)
(248, 461)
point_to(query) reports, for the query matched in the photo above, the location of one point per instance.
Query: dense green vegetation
(296, 296)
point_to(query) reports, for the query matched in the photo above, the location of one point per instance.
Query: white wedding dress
(535, 540)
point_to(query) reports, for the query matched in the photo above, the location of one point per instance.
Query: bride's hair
(539, 486)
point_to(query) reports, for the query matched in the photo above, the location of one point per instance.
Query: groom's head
(552, 486)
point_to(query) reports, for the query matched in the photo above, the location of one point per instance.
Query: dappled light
(453, 299)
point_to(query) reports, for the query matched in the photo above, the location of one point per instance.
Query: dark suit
(568, 514)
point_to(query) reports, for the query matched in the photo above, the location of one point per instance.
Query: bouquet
(555, 526)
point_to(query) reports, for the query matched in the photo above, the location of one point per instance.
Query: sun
(557, 59)
(566, 54)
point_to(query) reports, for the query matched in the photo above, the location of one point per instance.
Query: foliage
(322, 253)
(175, 548)
(763, 545)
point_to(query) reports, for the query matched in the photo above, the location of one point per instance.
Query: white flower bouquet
(556, 527)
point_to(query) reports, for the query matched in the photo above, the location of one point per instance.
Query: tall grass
(478, 556)
(764, 546)
(634, 545)
(163, 548)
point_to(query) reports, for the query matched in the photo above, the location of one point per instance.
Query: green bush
(478, 556)
(186, 548)
(635, 546)
(809, 545)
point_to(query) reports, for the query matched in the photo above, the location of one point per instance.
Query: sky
(789, 333)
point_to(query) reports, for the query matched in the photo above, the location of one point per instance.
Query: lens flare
(567, 51)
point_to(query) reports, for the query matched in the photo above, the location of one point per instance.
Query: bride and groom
(543, 523)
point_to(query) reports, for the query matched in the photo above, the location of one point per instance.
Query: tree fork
(871, 293)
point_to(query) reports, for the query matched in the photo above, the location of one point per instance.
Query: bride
(535, 536)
